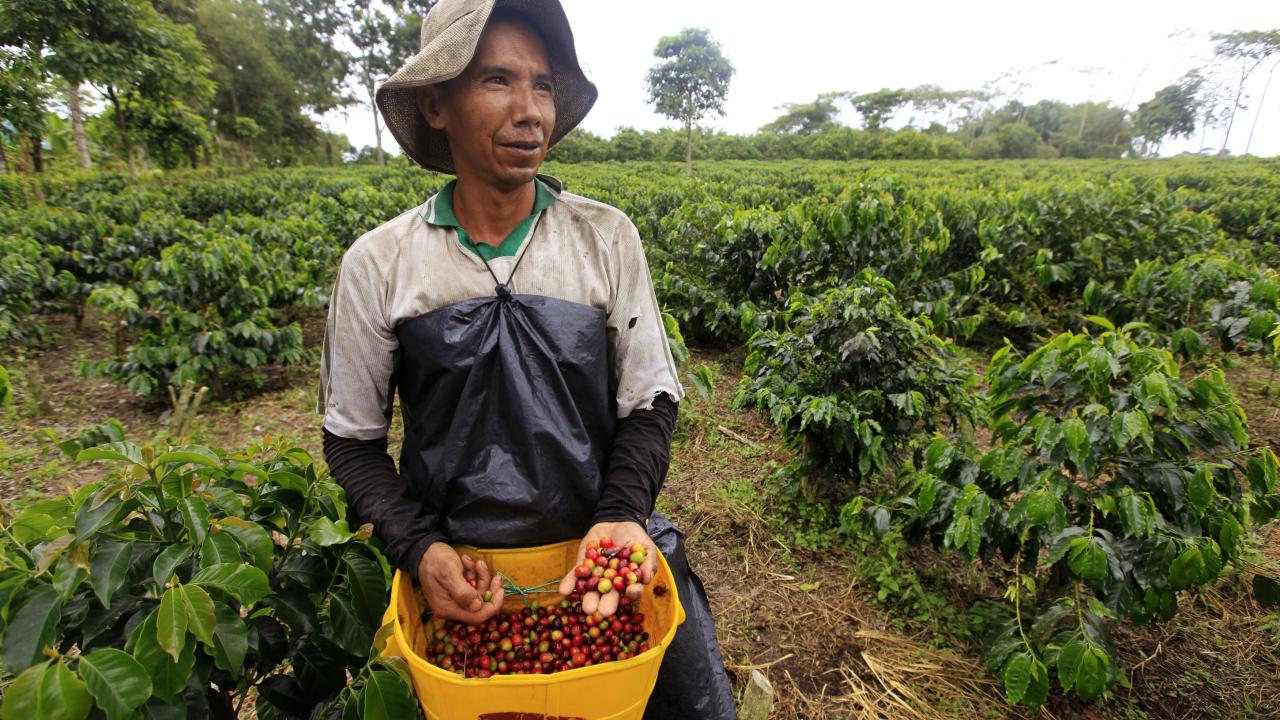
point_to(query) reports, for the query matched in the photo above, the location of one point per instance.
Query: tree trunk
(1231, 118)
(688, 150)
(125, 141)
(377, 123)
(1084, 116)
(37, 153)
(1262, 102)
(377, 133)
(77, 124)
(4, 161)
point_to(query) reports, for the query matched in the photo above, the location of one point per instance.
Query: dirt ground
(804, 618)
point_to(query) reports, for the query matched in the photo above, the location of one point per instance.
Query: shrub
(1111, 486)
(851, 379)
(185, 582)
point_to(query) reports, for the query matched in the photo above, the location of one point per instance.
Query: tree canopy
(690, 79)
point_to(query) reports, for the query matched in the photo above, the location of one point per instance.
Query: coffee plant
(1111, 486)
(187, 582)
(200, 312)
(850, 379)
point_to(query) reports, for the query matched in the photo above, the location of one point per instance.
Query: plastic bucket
(610, 691)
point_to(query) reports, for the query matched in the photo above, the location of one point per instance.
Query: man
(519, 326)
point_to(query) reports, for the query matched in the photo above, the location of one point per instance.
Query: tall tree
(383, 41)
(1171, 113)
(24, 73)
(689, 81)
(251, 82)
(877, 107)
(806, 118)
(1248, 48)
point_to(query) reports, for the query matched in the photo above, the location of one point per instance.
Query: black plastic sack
(692, 682)
(508, 417)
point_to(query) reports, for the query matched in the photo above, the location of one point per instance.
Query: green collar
(439, 211)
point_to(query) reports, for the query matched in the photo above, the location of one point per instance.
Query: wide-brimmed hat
(449, 36)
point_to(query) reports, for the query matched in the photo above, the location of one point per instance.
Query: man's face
(499, 113)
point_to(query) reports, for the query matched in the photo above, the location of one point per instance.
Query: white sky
(791, 51)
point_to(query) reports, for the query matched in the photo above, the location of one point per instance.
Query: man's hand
(623, 534)
(443, 576)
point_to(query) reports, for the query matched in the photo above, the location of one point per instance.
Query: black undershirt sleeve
(377, 494)
(638, 463)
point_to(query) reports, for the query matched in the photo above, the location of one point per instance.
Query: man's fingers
(590, 601)
(567, 584)
(635, 591)
(483, 574)
(608, 604)
(460, 591)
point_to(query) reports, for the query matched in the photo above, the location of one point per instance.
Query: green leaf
(1088, 560)
(926, 494)
(108, 566)
(192, 455)
(1026, 680)
(1079, 449)
(1229, 535)
(253, 538)
(1093, 673)
(230, 640)
(171, 623)
(325, 532)
(115, 452)
(1041, 506)
(198, 607)
(1137, 515)
(1266, 590)
(46, 692)
(32, 628)
(167, 562)
(1069, 659)
(386, 697)
(168, 678)
(368, 587)
(1199, 489)
(351, 634)
(219, 548)
(116, 680)
(245, 583)
(91, 519)
(195, 517)
(1187, 569)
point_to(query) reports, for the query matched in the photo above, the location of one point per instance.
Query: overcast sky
(792, 51)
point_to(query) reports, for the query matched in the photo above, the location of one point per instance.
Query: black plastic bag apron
(508, 418)
(509, 421)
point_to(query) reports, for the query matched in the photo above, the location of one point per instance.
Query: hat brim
(447, 56)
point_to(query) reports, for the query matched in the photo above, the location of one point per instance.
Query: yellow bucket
(616, 690)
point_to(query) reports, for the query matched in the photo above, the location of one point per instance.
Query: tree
(23, 94)
(382, 42)
(877, 107)
(806, 118)
(690, 80)
(1171, 113)
(1250, 48)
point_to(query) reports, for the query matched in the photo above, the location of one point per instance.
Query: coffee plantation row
(1118, 476)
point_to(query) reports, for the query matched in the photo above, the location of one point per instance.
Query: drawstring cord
(502, 288)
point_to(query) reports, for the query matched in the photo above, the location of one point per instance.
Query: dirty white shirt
(582, 251)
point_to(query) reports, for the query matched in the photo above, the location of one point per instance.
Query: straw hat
(449, 36)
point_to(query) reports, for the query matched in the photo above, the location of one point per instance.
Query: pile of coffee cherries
(542, 639)
(539, 640)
